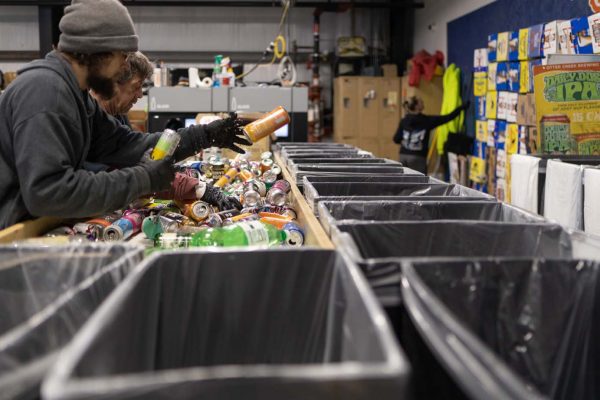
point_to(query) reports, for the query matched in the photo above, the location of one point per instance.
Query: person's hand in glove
(161, 172)
(225, 133)
(215, 197)
(182, 188)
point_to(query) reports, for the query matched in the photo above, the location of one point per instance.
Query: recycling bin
(332, 212)
(262, 324)
(503, 328)
(376, 246)
(46, 294)
(405, 177)
(322, 191)
(298, 171)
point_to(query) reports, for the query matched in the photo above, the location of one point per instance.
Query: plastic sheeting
(506, 329)
(332, 212)
(376, 246)
(390, 178)
(524, 181)
(279, 324)
(46, 294)
(591, 209)
(563, 198)
(321, 191)
(299, 171)
(322, 161)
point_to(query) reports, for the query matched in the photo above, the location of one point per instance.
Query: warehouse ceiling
(240, 3)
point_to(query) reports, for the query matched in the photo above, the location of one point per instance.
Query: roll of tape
(206, 82)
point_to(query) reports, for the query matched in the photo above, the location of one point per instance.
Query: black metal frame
(389, 4)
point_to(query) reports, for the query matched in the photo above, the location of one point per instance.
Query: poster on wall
(567, 99)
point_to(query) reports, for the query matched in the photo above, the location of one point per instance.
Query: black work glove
(215, 197)
(225, 133)
(161, 172)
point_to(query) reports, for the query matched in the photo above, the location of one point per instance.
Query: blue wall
(470, 32)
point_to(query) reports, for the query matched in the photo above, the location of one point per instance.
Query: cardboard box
(491, 133)
(481, 131)
(491, 105)
(512, 139)
(514, 76)
(567, 103)
(502, 112)
(526, 110)
(532, 139)
(513, 46)
(369, 107)
(524, 44)
(479, 83)
(480, 58)
(345, 108)
(502, 77)
(594, 23)
(372, 145)
(388, 92)
(582, 37)
(550, 40)
(532, 65)
(492, 76)
(524, 77)
(480, 107)
(390, 70)
(431, 93)
(511, 106)
(388, 149)
(536, 33)
(565, 38)
(492, 48)
(523, 145)
(502, 51)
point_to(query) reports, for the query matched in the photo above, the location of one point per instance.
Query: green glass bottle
(247, 233)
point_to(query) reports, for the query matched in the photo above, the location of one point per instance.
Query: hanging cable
(272, 46)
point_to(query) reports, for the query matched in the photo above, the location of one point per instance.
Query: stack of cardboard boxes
(367, 110)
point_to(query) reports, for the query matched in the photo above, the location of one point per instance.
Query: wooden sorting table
(315, 234)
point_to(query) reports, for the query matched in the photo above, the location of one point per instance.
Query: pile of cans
(170, 223)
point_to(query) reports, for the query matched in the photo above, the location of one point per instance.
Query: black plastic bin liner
(301, 170)
(376, 246)
(280, 324)
(331, 212)
(366, 178)
(320, 191)
(46, 294)
(327, 154)
(508, 328)
(324, 160)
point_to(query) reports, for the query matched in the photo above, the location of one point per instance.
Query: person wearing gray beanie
(51, 128)
(96, 26)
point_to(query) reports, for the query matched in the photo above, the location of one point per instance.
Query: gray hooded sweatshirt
(48, 128)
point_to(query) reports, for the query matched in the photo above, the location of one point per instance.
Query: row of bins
(487, 300)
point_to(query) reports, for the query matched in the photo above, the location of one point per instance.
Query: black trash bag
(46, 294)
(523, 327)
(332, 212)
(277, 324)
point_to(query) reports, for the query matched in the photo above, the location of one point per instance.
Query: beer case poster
(567, 99)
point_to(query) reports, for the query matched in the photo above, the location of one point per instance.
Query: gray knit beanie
(95, 26)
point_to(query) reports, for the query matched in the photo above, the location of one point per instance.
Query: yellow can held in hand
(268, 124)
(166, 145)
(227, 178)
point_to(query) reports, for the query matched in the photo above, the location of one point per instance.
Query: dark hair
(411, 103)
(88, 60)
